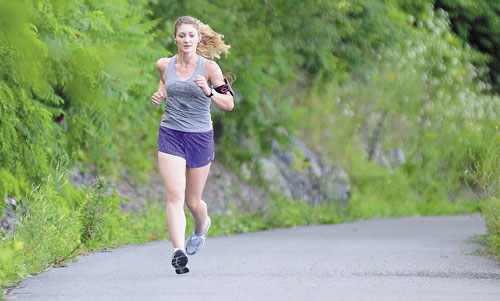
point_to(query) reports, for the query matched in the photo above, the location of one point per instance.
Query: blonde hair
(211, 44)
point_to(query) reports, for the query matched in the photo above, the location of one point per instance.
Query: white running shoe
(195, 241)
(179, 262)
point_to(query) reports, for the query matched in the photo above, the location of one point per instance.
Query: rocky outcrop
(298, 173)
(372, 140)
(295, 172)
(137, 195)
(224, 191)
(8, 217)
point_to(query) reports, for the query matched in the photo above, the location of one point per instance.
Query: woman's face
(187, 38)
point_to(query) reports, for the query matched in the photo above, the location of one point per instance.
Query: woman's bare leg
(195, 182)
(173, 172)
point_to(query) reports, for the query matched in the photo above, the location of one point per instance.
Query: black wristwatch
(211, 93)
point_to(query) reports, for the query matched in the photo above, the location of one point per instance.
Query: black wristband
(211, 93)
(223, 89)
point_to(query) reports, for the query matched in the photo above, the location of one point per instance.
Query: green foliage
(8, 263)
(322, 69)
(85, 61)
(484, 173)
(48, 231)
(478, 23)
(269, 47)
(61, 222)
(491, 212)
(93, 209)
(436, 107)
(282, 213)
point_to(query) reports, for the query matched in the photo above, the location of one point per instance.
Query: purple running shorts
(196, 148)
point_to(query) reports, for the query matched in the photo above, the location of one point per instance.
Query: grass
(443, 155)
(491, 213)
(61, 222)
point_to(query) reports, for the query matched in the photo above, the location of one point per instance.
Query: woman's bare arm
(158, 96)
(215, 77)
(161, 65)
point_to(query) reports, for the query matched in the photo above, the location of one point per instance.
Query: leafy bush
(94, 207)
(478, 23)
(8, 264)
(61, 222)
(426, 96)
(72, 72)
(491, 212)
(49, 232)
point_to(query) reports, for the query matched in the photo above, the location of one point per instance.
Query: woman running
(185, 140)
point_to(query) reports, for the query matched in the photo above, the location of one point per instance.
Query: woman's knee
(193, 203)
(176, 198)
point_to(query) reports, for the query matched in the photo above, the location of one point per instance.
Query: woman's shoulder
(211, 66)
(213, 72)
(210, 63)
(162, 63)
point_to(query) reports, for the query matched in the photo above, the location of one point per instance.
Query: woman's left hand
(201, 82)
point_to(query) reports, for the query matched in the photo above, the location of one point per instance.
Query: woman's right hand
(157, 98)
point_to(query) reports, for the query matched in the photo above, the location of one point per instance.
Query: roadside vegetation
(345, 76)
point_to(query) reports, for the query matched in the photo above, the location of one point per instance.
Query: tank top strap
(170, 72)
(200, 67)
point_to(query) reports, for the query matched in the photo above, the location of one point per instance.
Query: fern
(85, 60)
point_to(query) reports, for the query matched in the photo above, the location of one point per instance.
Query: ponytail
(212, 44)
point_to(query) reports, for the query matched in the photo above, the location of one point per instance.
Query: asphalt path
(410, 258)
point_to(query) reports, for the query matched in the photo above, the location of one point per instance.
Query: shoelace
(196, 241)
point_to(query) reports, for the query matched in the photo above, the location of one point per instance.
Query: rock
(468, 191)
(336, 186)
(271, 172)
(245, 171)
(372, 140)
(299, 173)
(391, 158)
(396, 157)
(125, 189)
(79, 178)
(312, 159)
(380, 158)
(8, 218)
(295, 172)
(224, 192)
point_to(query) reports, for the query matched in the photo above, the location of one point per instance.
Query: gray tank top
(187, 108)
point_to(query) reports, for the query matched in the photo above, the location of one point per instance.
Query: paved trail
(415, 258)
